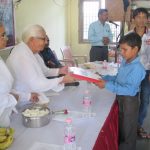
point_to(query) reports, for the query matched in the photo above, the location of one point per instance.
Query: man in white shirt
(9, 98)
(140, 18)
(29, 69)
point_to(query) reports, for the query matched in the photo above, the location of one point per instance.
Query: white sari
(7, 101)
(30, 72)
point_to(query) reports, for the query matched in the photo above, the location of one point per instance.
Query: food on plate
(35, 112)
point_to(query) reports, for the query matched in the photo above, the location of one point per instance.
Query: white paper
(84, 73)
(45, 146)
(74, 115)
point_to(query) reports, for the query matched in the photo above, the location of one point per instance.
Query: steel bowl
(36, 121)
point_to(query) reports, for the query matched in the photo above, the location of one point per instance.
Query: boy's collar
(132, 61)
(145, 31)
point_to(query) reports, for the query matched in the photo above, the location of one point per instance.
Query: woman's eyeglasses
(42, 38)
(3, 35)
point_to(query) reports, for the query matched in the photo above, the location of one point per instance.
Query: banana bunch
(6, 137)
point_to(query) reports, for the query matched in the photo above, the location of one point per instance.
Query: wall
(51, 15)
(73, 30)
(142, 3)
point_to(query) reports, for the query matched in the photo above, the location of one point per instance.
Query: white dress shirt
(30, 72)
(144, 53)
(145, 50)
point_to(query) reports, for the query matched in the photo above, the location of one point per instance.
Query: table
(95, 133)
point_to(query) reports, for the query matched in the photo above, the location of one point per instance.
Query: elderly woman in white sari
(28, 67)
(8, 97)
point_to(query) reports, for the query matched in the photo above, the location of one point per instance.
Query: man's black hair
(140, 10)
(132, 39)
(101, 11)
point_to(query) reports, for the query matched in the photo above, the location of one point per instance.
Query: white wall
(73, 30)
(51, 15)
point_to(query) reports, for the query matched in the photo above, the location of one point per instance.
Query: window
(88, 11)
(115, 30)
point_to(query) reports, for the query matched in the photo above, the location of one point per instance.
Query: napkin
(74, 115)
(45, 146)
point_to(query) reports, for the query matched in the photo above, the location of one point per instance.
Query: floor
(144, 144)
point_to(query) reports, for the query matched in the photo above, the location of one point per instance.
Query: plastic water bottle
(119, 60)
(69, 135)
(87, 102)
(105, 65)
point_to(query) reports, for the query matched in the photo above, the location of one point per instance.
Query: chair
(69, 59)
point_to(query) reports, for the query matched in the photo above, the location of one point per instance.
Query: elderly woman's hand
(68, 79)
(34, 97)
(63, 70)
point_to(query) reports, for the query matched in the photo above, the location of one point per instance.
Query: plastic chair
(69, 59)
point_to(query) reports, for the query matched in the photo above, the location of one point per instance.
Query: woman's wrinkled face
(39, 42)
(3, 37)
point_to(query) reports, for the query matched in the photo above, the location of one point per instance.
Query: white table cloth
(87, 129)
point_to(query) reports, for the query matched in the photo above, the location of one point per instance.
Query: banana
(3, 138)
(11, 131)
(6, 143)
(6, 131)
(3, 131)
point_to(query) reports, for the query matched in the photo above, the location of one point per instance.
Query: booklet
(84, 74)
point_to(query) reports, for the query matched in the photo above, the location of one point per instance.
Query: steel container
(36, 122)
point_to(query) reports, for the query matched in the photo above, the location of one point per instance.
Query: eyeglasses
(3, 35)
(41, 38)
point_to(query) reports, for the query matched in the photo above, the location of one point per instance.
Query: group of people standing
(132, 83)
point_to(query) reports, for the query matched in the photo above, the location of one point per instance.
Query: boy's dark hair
(101, 11)
(132, 39)
(139, 10)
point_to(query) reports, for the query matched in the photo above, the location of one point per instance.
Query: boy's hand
(100, 84)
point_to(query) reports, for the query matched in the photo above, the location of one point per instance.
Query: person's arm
(131, 83)
(29, 74)
(47, 71)
(24, 96)
(7, 100)
(109, 78)
(145, 54)
(110, 35)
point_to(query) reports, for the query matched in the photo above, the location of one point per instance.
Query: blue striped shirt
(128, 79)
(97, 31)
